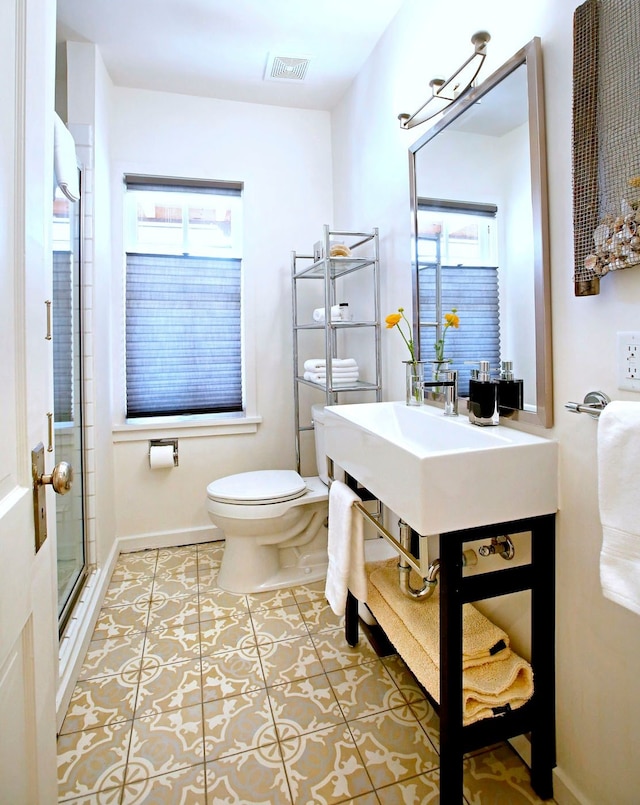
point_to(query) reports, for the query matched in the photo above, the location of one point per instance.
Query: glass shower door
(67, 414)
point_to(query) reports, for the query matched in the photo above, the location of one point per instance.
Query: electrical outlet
(629, 361)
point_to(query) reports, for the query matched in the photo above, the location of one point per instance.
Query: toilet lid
(261, 486)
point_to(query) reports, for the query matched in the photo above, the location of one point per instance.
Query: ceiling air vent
(286, 68)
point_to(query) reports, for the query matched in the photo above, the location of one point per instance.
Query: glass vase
(415, 378)
(439, 369)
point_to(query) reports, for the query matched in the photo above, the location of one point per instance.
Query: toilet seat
(261, 487)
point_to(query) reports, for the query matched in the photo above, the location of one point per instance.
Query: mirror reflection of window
(458, 268)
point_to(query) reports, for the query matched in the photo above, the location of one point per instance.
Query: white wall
(598, 643)
(283, 156)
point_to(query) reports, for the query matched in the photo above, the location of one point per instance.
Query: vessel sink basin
(442, 474)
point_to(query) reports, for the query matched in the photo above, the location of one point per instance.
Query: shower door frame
(77, 208)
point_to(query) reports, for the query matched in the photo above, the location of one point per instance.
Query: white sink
(440, 473)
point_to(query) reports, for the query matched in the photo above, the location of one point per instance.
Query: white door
(28, 621)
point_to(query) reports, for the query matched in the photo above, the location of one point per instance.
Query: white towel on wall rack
(345, 547)
(618, 480)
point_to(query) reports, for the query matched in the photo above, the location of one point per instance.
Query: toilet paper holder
(165, 443)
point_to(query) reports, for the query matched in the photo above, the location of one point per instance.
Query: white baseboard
(169, 539)
(565, 792)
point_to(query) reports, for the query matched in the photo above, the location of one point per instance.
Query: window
(457, 267)
(183, 299)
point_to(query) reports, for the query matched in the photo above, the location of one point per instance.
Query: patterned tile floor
(193, 696)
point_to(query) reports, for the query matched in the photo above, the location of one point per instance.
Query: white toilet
(274, 522)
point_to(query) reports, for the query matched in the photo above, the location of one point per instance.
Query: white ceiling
(219, 48)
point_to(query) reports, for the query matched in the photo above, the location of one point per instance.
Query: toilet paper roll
(161, 456)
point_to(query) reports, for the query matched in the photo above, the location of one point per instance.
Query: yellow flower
(450, 320)
(634, 181)
(393, 320)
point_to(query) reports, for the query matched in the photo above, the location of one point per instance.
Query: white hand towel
(618, 464)
(314, 364)
(346, 549)
(65, 163)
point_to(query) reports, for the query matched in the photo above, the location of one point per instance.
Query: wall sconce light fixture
(445, 92)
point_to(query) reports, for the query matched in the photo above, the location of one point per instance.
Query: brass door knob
(61, 479)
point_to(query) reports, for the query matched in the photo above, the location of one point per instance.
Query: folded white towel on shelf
(348, 370)
(346, 569)
(618, 462)
(336, 379)
(314, 364)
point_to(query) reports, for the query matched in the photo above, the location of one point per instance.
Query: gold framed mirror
(480, 236)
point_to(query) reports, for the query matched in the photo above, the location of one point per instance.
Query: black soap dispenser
(510, 391)
(483, 397)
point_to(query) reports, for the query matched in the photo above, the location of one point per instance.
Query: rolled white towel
(319, 314)
(315, 364)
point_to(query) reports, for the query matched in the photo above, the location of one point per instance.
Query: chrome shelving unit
(327, 271)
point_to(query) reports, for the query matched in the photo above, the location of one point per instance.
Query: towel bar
(389, 537)
(594, 404)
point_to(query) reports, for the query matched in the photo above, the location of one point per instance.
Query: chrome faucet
(449, 390)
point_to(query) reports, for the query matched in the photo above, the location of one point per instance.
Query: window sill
(186, 427)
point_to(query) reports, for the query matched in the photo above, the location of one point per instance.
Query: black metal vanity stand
(537, 716)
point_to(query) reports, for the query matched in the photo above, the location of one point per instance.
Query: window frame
(194, 425)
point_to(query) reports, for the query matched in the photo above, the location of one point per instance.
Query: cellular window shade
(63, 336)
(473, 291)
(183, 350)
(167, 185)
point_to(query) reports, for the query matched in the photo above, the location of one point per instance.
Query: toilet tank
(318, 416)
